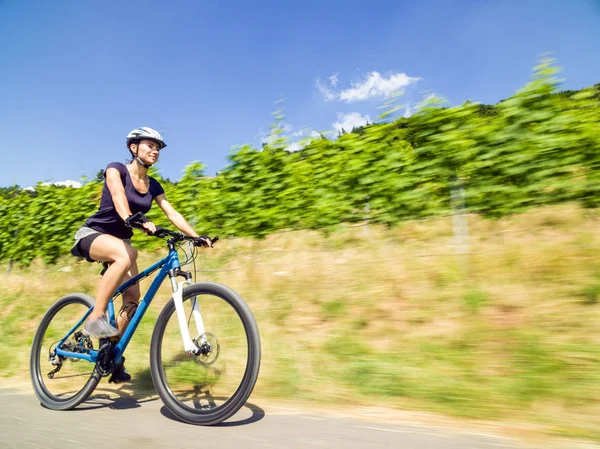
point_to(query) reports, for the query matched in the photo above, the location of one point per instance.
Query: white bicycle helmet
(145, 133)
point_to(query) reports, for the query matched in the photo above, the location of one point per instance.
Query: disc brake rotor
(208, 349)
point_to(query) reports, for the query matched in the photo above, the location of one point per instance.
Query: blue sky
(76, 76)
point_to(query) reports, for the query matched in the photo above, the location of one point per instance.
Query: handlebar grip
(157, 232)
(136, 220)
(163, 232)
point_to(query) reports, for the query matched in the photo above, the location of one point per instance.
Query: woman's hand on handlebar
(149, 227)
(203, 240)
(138, 220)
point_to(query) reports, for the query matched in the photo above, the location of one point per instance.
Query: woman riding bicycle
(105, 236)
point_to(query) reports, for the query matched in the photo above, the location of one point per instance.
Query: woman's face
(148, 151)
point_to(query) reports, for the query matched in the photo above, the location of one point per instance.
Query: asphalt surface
(117, 419)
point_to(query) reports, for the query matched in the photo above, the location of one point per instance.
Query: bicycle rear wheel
(206, 389)
(75, 379)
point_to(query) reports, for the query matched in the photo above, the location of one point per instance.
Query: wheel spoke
(62, 382)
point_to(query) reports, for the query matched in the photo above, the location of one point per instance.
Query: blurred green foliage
(537, 147)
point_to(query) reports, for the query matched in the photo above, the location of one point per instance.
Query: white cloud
(373, 86)
(296, 146)
(326, 91)
(408, 112)
(377, 86)
(67, 183)
(349, 121)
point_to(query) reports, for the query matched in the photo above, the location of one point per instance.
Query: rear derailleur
(79, 343)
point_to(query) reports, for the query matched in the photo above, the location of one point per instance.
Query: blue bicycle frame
(171, 262)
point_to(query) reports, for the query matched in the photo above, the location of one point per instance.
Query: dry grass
(370, 314)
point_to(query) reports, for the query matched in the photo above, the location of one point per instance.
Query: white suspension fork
(188, 343)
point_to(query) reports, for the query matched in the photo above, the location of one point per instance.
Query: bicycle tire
(232, 404)
(46, 397)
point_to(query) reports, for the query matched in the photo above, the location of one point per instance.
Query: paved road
(144, 422)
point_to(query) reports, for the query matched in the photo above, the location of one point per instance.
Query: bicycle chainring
(105, 363)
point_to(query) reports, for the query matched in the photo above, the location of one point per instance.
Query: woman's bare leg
(131, 299)
(122, 257)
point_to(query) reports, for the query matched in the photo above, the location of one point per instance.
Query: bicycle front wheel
(62, 383)
(208, 388)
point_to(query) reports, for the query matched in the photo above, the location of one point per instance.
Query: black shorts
(82, 248)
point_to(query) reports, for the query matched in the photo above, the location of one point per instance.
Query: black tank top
(107, 220)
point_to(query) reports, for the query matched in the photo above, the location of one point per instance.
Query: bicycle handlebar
(138, 219)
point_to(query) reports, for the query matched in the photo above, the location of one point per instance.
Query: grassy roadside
(392, 316)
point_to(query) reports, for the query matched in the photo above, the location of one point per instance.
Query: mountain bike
(204, 350)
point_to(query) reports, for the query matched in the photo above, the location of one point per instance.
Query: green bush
(537, 147)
